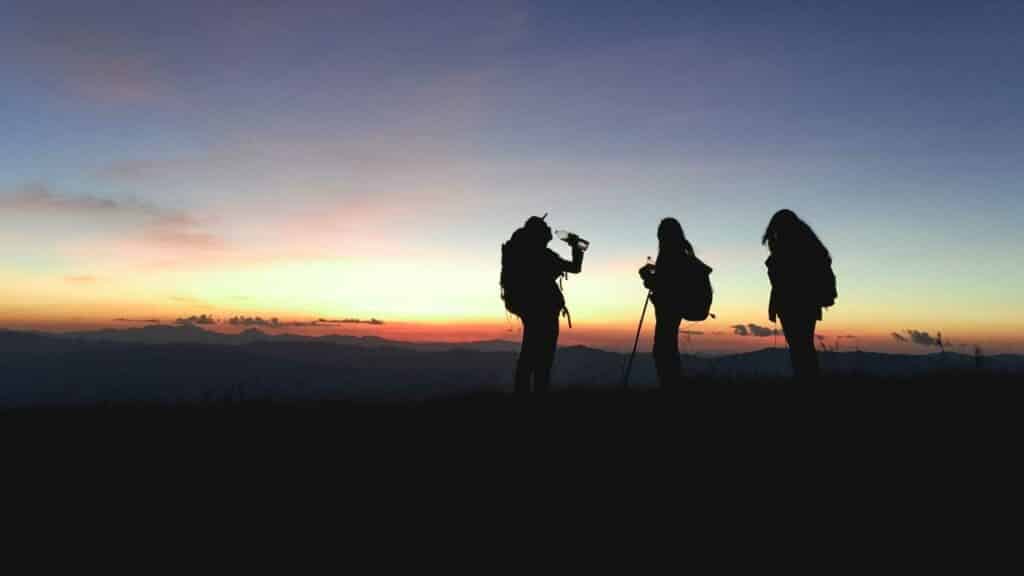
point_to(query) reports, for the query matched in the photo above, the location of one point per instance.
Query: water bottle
(570, 238)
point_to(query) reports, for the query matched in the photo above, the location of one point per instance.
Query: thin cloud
(691, 332)
(753, 330)
(200, 320)
(372, 321)
(169, 231)
(761, 331)
(923, 338)
(251, 321)
(38, 198)
(138, 320)
(920, 337)
(273, 322)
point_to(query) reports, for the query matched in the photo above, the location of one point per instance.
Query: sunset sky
(304, 160)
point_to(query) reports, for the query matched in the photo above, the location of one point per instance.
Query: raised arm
(573, 267)
(576, 266)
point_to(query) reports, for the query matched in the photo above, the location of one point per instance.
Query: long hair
(671, 238)
(787, 233)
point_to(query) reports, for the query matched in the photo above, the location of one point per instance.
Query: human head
(537, 230)
(782, 227)
(787, 232)
(671, 237)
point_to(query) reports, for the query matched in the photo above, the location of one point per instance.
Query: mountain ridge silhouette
(190, 333)
(91, 368)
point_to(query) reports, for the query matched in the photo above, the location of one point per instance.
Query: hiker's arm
(576, 265)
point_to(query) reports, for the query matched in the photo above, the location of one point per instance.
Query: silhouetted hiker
(680, 288)
(800, 270)
(529, 270)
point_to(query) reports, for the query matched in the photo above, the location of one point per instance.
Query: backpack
(513, 276)
(696, 301)
(826, 289)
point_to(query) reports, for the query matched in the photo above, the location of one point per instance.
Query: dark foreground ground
(839, 468)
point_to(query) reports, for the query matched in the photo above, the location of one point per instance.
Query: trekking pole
(629, 365)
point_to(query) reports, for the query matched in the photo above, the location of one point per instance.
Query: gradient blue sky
(277, 158)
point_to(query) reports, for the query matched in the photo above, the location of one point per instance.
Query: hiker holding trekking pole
(529, 274)
(680, 287)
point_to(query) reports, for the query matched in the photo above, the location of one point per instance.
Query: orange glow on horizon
(714, 337)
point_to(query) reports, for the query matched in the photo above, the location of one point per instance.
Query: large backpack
(513, 274)
(696, 300)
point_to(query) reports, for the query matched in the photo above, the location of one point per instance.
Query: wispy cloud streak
(174, 233)
(921, 338)
(373, 321)
(753, 330)
(200, 320)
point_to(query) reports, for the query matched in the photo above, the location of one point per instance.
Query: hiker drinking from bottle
(800, 270)
(529, 271)
(679, 288)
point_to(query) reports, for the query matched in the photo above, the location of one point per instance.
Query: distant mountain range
(189, 364)
(190, 333)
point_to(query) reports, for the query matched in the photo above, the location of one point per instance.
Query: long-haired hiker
(800, 270)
